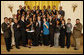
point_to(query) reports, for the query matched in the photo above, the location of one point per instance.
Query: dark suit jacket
(61, 12)
(38, 29)
(55, 13)
(63, 30)
(16, 30)
(6, 31)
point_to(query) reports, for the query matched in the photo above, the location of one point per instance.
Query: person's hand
(74, 25)
(64, 27)
(44, 23)
(50, 23)
(18, 26)
(31, 22)
(36, 23)
(8, 26)
(27, 29)
(41, 31)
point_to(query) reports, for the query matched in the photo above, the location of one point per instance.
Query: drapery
(41, 4)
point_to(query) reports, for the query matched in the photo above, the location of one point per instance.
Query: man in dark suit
(54, 11)
(39, 30)
(61, 12)
(38, 8)
(51, 36)
(34, 10)
(44, 8)
(7, 33)
(17, 33)
(21, 9)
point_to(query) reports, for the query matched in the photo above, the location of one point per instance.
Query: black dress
(23, 31)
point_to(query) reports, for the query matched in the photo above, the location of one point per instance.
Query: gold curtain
(41, 4)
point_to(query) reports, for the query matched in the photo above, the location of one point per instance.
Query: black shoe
(68, 47)
(11, 48)
(8, 50)
(62, 47)
(75, 49)
(29, 47)
(18, 47)
(51, 46)
(25, 46)
(40, 44)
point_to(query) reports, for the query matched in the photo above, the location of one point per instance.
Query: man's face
(60, 8)
(38, 7)
(68, 21)
(44, 7)
(34, 7)
(20, 7)
(77, 21)
(6, 20)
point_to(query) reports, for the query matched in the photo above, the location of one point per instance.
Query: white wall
(67, 7)
(5, 11)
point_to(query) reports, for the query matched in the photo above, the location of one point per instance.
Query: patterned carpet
(42, 49)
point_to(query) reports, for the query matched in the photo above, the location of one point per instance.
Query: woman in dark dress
(29, 28)
(23, 30)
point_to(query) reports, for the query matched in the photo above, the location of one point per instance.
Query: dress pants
(8, 43)
(77, 43)
(51, 38)
(62, 39)
(17, 41)
(23, 38)
(68, 35)
(56, 39)
(46, 40)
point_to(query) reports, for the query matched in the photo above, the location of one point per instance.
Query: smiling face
(63, 22)
(15, 20)
(77, 21)
(10, 20)
(68, 21)
(60, 8)
(6, 20)
(20, 7)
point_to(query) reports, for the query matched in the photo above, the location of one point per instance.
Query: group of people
(40, 27)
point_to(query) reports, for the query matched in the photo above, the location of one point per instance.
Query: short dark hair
(77, 19)
(5, 18)
(68, 19)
